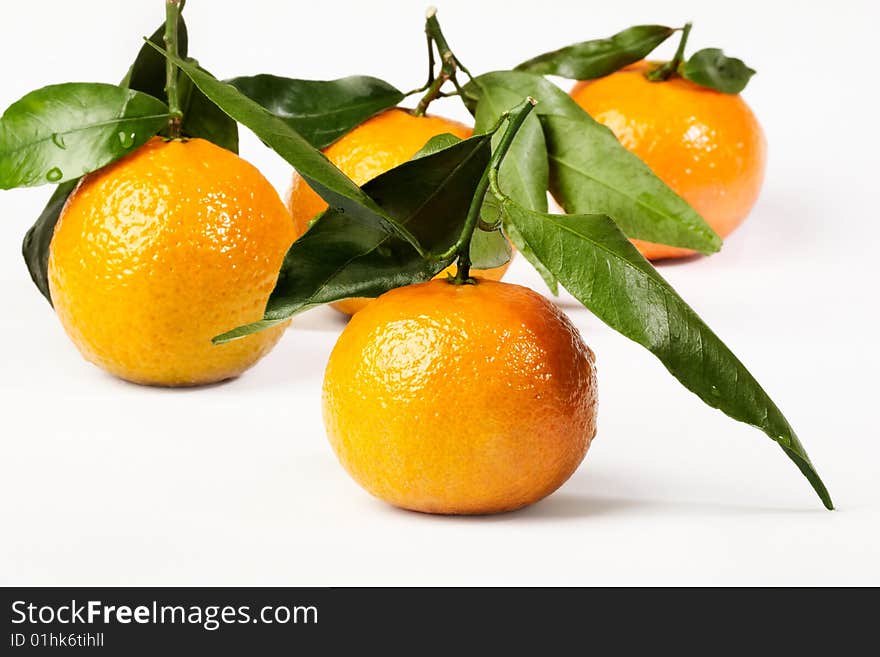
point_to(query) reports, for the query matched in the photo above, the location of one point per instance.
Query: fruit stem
(679, 53)
(430, 40)
(432, 27)
(515, 119)
(431, 94)
(665, 71)
(449, 63)
(172, 18)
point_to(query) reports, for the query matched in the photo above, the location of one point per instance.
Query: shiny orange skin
(460, 399)
(706, 145)
(380, 143)
(162, 250)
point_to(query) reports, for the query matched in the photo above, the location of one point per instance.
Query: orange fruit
(160, 251)
(706, 145)
(381, 143)
(460, 399)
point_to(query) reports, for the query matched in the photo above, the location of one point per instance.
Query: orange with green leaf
(377, 145)
(684, 118)
(406, 366)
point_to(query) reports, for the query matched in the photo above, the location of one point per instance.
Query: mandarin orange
(460, 399)
(706, 145)
(160, 251)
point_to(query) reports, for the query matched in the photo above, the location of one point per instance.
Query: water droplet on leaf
(54, 174)
(58, 140)
(126, 139)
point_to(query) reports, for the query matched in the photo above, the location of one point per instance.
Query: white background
(103, 482)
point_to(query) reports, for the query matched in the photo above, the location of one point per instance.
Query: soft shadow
(555, 507)
(677, 262)
(320, 319)
(577, 507)
(161, 389)
(561, 507)
(567, 303)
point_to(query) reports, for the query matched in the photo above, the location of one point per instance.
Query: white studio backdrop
(104, 482)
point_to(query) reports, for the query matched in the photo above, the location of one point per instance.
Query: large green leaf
(524, 173)
(489, 248)
(322, 176)
(595, 262)
(593, 59)
(203, 119)
(35, 247)
(62, 131)
(711, 68)
(591, 172)
(322, 111)
(342, 256)
(523, 247)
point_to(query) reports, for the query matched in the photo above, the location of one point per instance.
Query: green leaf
(147, 73)
(343, 256)
(60, 132)
(329, 183)
(604, 271)
(322, 111)
(435, 144)
(593, 59)
(711, 68)
(523, 247)
(591, 172)
(35, 247)
(524, 173)
(204, 120)
(489, 248)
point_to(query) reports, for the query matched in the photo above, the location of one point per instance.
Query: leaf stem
(666, 70)
(449, 63)
(172, 18)
(515, 118)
